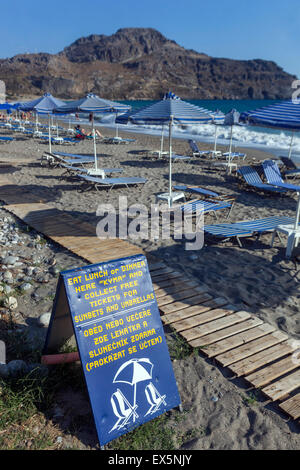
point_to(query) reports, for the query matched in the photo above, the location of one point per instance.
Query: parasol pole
(170, 162)
(291, 145)
(117, 126)
(49, 133)
(215, 146)
(162, 141)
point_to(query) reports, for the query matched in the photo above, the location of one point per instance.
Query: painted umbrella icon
(133, 372)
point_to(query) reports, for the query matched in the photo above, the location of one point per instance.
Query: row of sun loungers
(196, 152)
(74, 164)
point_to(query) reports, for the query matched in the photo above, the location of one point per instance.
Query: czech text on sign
(120, 340)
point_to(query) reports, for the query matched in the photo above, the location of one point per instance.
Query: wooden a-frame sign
(110, 310)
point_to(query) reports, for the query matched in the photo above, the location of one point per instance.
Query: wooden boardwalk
(250, 348)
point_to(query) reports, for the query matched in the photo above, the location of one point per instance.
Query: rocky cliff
(140, 63)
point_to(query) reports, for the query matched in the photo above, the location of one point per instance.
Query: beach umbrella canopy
(284, 115)
(171, 110)
(91, 103)
(9, 106)
(43, 105)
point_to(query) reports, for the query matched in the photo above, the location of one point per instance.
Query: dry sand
(256, 276)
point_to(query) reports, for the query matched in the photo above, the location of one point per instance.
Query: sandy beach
(255, 277)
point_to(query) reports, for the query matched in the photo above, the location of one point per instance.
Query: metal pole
(215, 146)
(162, 141)
(95, 149)
(297, 213)
(170, 162)
(49, 133)
(291, 145)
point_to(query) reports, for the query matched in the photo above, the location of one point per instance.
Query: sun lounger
(177, 157)
(4, 139)
(195, 149)
(77, 170)
(54, 159)
(58, 140)
(227, 155)
(252, 178)
(92, 181)
(197, 190)
(117, 140)
(292, 169)
(195, 206)
(274, 177)
(247, 228)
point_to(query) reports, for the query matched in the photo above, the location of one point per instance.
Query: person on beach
(82, 134)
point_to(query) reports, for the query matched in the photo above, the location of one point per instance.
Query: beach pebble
(29, 270)
(44, 319)
(7, 276)
(11, 260)
(7, 289)
(11, 303)
(214, 399)
(25, 286)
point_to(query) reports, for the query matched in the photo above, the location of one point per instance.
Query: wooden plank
(194, 300)
(185, 294)
(167, 276)
(161, 292)
(282, 387)
(173, 282)
(196, 320)
(252, 363)
(253, 346)
(226, 332)
(272, 372)
(215, 325)
(173, 317)
(292, 406)
(154, 266)
(164, 270)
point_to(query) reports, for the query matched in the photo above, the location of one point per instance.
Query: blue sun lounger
(4, 139)
(247, 228)
(195, 149)
(75, 170)
(191, 207)
(253, 179)
(196, 190)
(274, 177)
(55, 159)
(292, 169)
(92, 181)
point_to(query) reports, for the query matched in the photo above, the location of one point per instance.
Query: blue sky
(238, 29)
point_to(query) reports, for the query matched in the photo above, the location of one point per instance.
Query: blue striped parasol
(168, 111)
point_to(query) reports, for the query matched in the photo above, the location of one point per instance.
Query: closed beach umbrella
(92, 104)
(284, 115)
(43, 105)
(171, 110)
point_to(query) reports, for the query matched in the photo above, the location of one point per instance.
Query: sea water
(274, 141)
